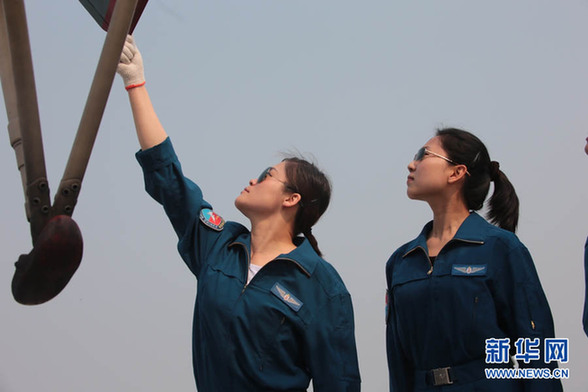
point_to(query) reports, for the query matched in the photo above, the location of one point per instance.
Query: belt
(461, 374)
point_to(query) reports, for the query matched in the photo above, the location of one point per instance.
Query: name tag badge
(469, 269)
(294, 303)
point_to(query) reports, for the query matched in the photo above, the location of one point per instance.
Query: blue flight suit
(482, 285)
(585, 318)
(292, 323)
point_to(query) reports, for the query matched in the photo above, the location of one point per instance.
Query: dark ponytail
(504, 203)
(315, 191)
(465, 148)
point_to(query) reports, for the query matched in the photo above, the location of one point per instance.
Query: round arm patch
(211, 219)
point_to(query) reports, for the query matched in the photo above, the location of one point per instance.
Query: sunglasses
(268, 173)
(422, 152)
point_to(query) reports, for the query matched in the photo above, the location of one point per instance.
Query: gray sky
(360, 86)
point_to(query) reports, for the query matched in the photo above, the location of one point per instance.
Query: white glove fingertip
(128, 54)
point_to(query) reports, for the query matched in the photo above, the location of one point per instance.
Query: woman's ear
(292, 199)
(459, 172)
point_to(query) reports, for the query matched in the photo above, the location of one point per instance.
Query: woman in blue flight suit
(585, 315)
(270, 313)
(463, 280)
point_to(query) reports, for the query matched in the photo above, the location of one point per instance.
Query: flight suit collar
(472, 230)
(303, 256)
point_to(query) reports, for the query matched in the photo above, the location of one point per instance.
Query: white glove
(130, 65)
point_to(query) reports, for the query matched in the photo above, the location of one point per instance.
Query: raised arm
(150, 132)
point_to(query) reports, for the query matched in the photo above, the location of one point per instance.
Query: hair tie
(494, 170)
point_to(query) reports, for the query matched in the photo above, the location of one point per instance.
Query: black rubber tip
(44, 273)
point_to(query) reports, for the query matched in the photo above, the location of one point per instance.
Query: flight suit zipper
(430, 271)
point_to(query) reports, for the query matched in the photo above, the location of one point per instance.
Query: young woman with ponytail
(464, 285)
(270, 313)
(585, 314)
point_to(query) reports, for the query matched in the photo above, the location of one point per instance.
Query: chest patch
(211, 219)
(469, 270)
(286, 297)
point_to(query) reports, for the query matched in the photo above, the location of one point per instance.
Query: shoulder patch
(469, 270)
(211, 219)
(283, 294)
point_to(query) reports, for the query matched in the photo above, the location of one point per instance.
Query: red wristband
(130, 86)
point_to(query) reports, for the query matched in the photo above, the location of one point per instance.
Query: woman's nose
(411, 166)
